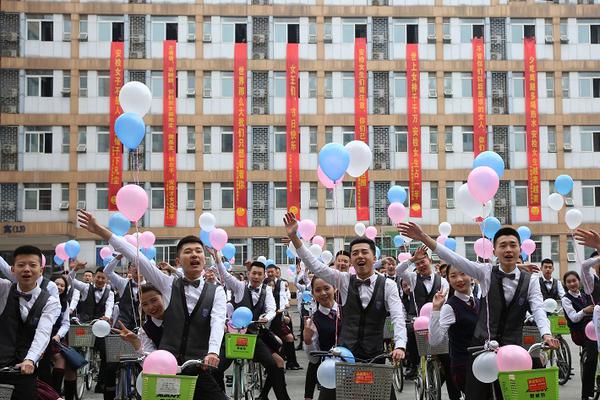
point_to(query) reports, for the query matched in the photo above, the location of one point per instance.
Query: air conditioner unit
(206, 93)
(382, 221)
(81, 148)
(432, 93)
(259, 166)
(9, 109)
(191, 147)
(66, 92)
(259, 55)
(378, 55)
(571, 257)
(9, 148)
(495, 55)
(329, 203)
(379, 110)
(431, 37)
(379, 93)
(137, 54)
(258, 38)
(312, 39)
(378, 39)
(449, 148)
(448, 92)
(449, 203)
(191, 92)
(447, 37)
(500, 202)
(433, 148)
(498, 147)
(64, 205)
(191, 205)
(9, 52)
(207, 38)
(569, 201)
(313, 203)
(549, 39)
(259, 93)
(497, 110)
(206, 205)
(497, 93)
(568, 147)
(328, 94)
(258, 110)
(66, 36)
(259, 222)
(327, 38)
(11, 167)
(83, 36)
(564, 39)
(137, 38)
(82, 92)
(551, 147)
(191, 37)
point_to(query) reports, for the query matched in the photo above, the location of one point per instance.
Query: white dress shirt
(341, 280)
(314, 346)
(411, 276)
(85, 287)
(50, 313)
(7, 271)
(483, 274)
(549, 282)
(588, 273)
(440, 321)
(567, 305)
(164, 284)
(596, 320)
(147, 343)
(74, 300)
(65, 323)
(116, 280)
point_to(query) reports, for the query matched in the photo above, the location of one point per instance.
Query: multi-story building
(54, 112)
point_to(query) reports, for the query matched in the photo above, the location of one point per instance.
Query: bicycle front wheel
(563, 361)
(82, 374)
(238, 392)
(89, 373)
(398, 380)
(433, 381)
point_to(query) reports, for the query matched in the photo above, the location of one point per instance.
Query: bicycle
(428, 382)
(81, 337)
(122, 352)
(6, 391)
(247, 374)
(388, 346)
(155, 386)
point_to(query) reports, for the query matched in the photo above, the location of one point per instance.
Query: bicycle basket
(531, 384)
(388, 329)
(363, 381)
(160, 387)
(117, 348)
(531, 336)
(425, 349)
(558, 325)
(6, 392)
(81, 336)
(239, 346)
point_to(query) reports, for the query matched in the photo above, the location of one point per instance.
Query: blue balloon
(290, 254)
(450, 244)
(118, 224)
(130, 129)
(241, 317)
(269, 262)
(398, 241)
(563, 184)
(293, 268)
(396, 194)
(72, 248)
(204, 236)
(307, 297)
(58, 260)
(345, 353)
(524, 233)
(227, 265)
(107, 260)
(492, 160)
(334, 160)
(490, 226)
(228, 251)
(377, 252)
(524, 256)
(150, 252)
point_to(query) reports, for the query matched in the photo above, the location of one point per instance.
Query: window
(103, 84)
(554, 248)
(431, 30)
(206, 189)
(81, 193)
(565, 85)
(66, 140)
(447, 84)
(227, 32)
(191, 81)
(206, 139)
(466, 79)
(38, 142)
(520, 31)
(548, 27)
(157, 196)
(312, 85)
(348, 84)
(401, 135)
(328, 86)
(518, 84)
(433, 138)
(433, 187)
(40, 85)
(589, 34)
(590, 193)
(551, 139)
(66, 80)
(226, 139)
(226, 195)
(467, 138)
(156, 84)
(110, 31)
(240, 33)
(313, 192)
(279, 83)
(156, 136)
(589, 85)
(293, 33)
(227, 84)
(281, 257)
(207, 83)
(83, 24)
(519, 132)
(83, 83)
(549, 85)
(280, 195)
(101, 196)
(40, 30)
(163, 30)
(590, 140)
(470, 31)
(449, 190)
(521, 193)
(64, 192)
(448, 136)
(400, 84)
(406, 33)
(347, 135)
(82, 135)
(103, 142)
(191, 139)
(312, 139)
(349, 194)
(348, 33)
(431, 82)
(280, 139)
(207, 27)
(38, 197)
(328, 134)
(567, 134)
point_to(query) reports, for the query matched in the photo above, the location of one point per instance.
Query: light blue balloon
(334, 160)
(490, 226)
(451, 244)
(290, 254)
(398, 241)
(492, 160)
(563, 184)
(204, 236)
(150, 252)
(58, 260)
(107, 260)
(241, 317)
(227, 265)
(396, 194)
(307, 297)
(524, 233)
(119, 224)
(228, 251)
(130, 129)
(346, 354)
(524, 256)
(269, 262)
(72, 248)
(293, 268)
(377, 252)
(326, 373)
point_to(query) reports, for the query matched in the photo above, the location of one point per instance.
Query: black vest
(326, 330)
(553, 292)
(44, 284)
(460, 334)
(88, 309)
(506, 320)
(153, 331)
(410, 309)
(17, 335)
(128, 307)
(362, 328)
(257, 309)
(277, 294)
(579, 303)
(421, 295)
(186, 335)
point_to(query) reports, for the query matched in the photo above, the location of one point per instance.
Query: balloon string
(136, 177)
(487, 306)
(336, 233)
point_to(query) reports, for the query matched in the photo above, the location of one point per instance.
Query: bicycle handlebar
(336, 353)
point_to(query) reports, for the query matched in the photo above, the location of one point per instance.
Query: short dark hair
(594, 254)
(547, 261)
(100, 269)
(444, 266)
(266, 266)
(258, 264)
(148, 287)
(360, 240)
(507, 231)
(342, 253)
(569, 273)
(87, 270)
(26, 251)
(188, 239)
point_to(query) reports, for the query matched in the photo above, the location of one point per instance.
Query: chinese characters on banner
(413, 114)
(479, 111)
(361, 127)
(115, 167)
(533, 134)
(240, 123)
(293, 130)
(170, 131)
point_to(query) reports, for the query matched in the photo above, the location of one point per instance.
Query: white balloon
(139, 384)
(207, 221)
(101, 328)
(485, 367)
(407, 240)
(360, 158)
(573, 218)
(445, 228)
(326, 256)
(555, 201)
(262, 259)
(316, 250)
(550, 305)
(326, 373)
(360, 228)
(135, 97)
(469, 205)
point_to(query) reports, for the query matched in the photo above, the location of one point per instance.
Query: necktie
(502, 274)
(358, 283)
(195, 283)
(332, 314)
(24, 296)
(471, 303)
(549, 283)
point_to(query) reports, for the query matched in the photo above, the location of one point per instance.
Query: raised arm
(6, 270)
(77, 284)
(74, 300)
(110, 304)
(270, 307)
(590, 239)
(116, 280)
(231, 281)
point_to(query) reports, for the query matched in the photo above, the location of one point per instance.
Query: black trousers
(311, 380)
(589, 368)
(207, 387)
(25, 385)
(453, 392)
(412, 354)
(476, 390)
(107, 375)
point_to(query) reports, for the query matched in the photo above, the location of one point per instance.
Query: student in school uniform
(341, 262)
(508, 291)
(194, 318)
(410, 312)
(43, 282)
(27, 315)
(551, 288)
(127, 289)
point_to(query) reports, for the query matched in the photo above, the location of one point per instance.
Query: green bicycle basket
(531, 384)
(239, 346)
(160, 387)
(558, 325)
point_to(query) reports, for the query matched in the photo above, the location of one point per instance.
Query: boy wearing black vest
(43, 283)
(128, 292)
(508, 291)
(27, 315)
(551, 288)
(194, 318)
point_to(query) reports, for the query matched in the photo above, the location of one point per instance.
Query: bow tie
(502, 274)
(358, 283)
(390, 277)
(255, 290)
(195, 283)
(426, 278)
(97, 289)
(548, 282)
(24, 296)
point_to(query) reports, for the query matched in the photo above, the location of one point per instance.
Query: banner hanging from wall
(361, 125)
(115, 167)
(413, 114)
(533, 133)
(293, 130)
(170, 130)
(240, 125)
(479, 110)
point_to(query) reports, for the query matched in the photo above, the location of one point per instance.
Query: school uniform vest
(362, 328)
(44, 284)
(257, 309)
(421, 295)
(186, 334)
(326, 330)
(17, 335)
(553, 292)
(506, 320)
(579, 303)
(410, 309)
(88, 309)
(277, 293)
(128, 307)
(153, 331)
(460, 334)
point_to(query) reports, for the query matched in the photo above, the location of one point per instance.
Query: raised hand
(291, 224)
(77, 265)
(438, 300)
(420, 252)
(90, 224)
(128, 336)
(588, 238)
(411, 230)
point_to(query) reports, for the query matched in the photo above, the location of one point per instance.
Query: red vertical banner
(170, 130)
(292, 119)
(361, 125)
(479, 109)
(240, 124)
(533, 130)
(115, 167)
(413, 114)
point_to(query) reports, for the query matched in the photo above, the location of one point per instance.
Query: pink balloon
(218, 238)
(131, 239)
(43, 261)
(484, 248)
(371, 232)
(483, 184)
(590, 331)
(513, 358)
(396, 212)
(319, 240)
(132, 202)
(307, 229)
(528, 246)
(441, 239)
(352, 271)
(147, 239)
(232, 261)
(233, 329)
(421, 324)
(60, 251)
(105, 252)
(426, 310)
(404, 256)
(160, 362)
(324, 179)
